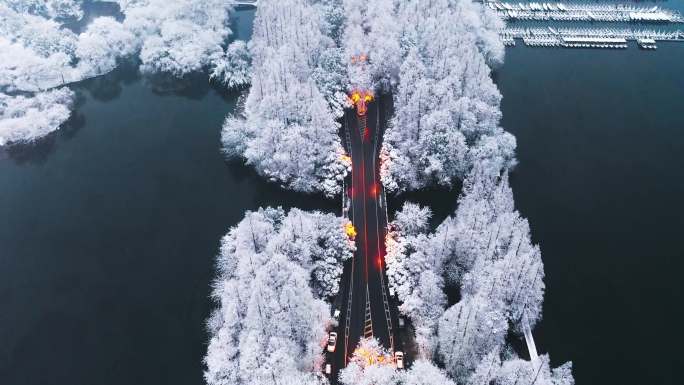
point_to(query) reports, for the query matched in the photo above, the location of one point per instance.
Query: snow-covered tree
(372, 31)
(423, 372)
(332, 78)
(467, 332)
(285, 111)
(37, 53)
(412, 219)
(103, 43)
(517, 371)
(487, 248)
(270, 325)
(487, 369)
(52, 9)
(36, 56)
(407, 251)
(538, 372)
(372, 365)
(414, 273)
(25, 119)
(233, 67)
(355, 374)
(333, 19)
(318, 243)
(447, 107)
(178, 36)
(466, 236)
(486, 251)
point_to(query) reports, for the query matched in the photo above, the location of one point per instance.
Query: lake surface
(601, 179)
(109, 231)
(110, 226)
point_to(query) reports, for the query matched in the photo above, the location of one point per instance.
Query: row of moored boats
(584, 12)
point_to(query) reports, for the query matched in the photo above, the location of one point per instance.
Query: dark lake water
(109, 227)
(601, 179)
(109, 231)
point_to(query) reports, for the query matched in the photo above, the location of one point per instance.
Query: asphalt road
(364, 279)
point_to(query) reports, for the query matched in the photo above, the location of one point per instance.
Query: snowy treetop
(274, 270)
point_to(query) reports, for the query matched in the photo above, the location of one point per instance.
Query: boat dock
(609, 12)
(587, 37)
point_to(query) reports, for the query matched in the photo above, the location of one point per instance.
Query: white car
(336, 314)
(328, 369)
(399, 359)
(332, 341)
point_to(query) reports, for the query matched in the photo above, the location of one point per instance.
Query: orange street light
(350, 230)
(360, 98)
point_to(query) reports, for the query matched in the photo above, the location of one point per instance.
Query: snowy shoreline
(40, 57)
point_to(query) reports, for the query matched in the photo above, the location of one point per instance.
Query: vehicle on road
(360, 99)
(332, 342)
(399, 359)
(336, 314)
(401, 322)
(328, 369)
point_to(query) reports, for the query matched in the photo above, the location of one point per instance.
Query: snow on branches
(414, 274)
(447, 107)
(492, 370)
(273, 271)
(233, 68)
(24, 119)
(178, 36)
(485, 249)
(37, 56)
(371, 365)
(467, 331)
(490, 252)
(101, 45)
(288, 131)
(500, 273)
(371, 33)
(37, 53)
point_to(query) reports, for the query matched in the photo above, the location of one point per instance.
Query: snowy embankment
(288, 129)
(39, 56)
(275, 270)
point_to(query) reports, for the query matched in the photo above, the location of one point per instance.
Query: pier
(587, 37)
(609, 12)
